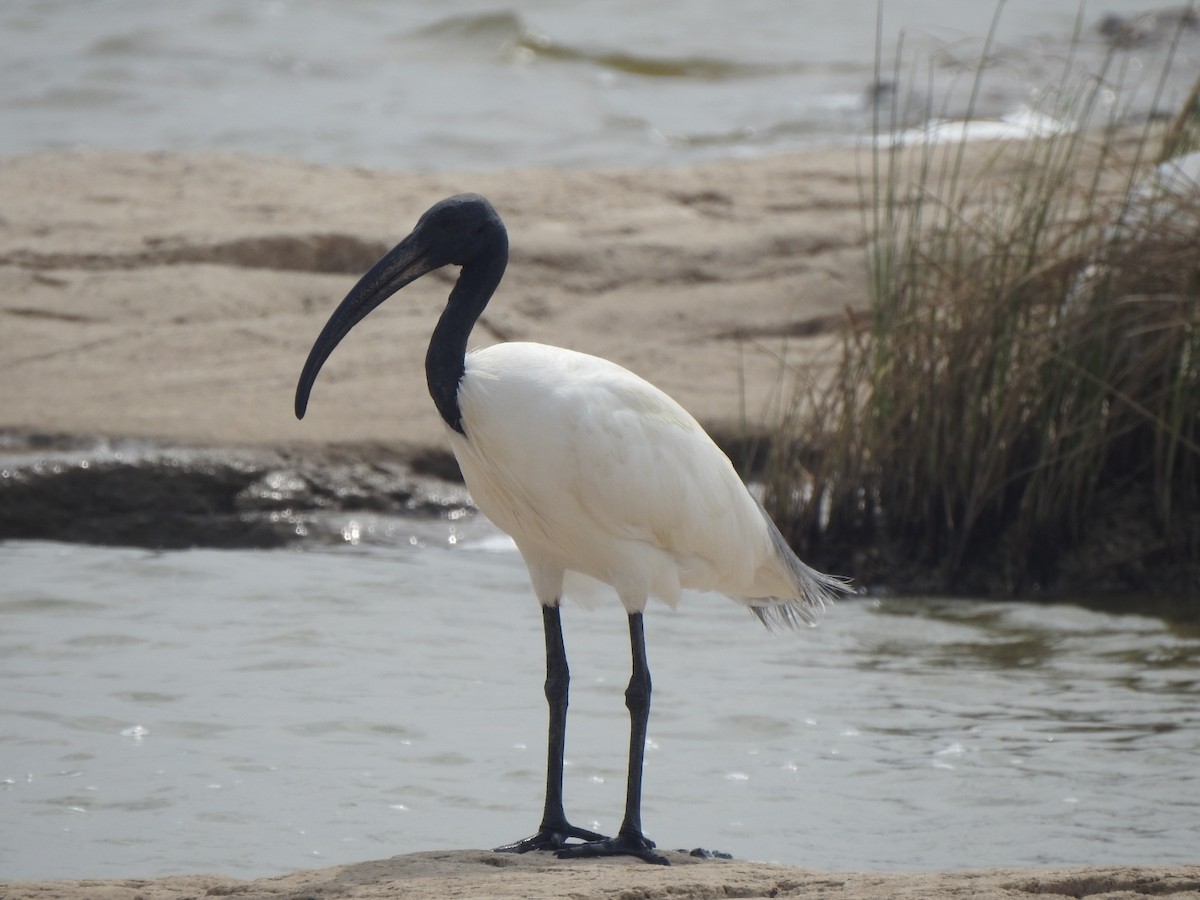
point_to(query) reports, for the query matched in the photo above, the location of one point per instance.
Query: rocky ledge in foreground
(144, 494)
(480, 873)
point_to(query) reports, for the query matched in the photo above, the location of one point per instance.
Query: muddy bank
(159, 495)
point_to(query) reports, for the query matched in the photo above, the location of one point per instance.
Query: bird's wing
(594, 453)
(646, 470)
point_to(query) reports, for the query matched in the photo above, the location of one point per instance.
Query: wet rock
(278, 489)
(701, 853)
(162, 503)
(145, 495)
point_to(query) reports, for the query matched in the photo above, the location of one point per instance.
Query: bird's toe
(551, 838)
(624, 844)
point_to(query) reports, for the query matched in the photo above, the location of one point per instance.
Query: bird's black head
(459, 229)
(463, 230)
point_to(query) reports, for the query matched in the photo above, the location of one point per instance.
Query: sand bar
(175, 298)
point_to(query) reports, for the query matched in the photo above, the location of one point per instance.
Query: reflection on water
(255, 712)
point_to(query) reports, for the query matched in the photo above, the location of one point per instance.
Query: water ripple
(368, 699)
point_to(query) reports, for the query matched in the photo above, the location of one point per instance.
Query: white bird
(590, 470)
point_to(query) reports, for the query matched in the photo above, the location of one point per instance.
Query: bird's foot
(624, 844)
(552, 837)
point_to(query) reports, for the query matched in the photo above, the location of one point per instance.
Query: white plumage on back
(592, 469)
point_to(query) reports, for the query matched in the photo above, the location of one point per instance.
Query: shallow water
(251, 712)
(526, 82)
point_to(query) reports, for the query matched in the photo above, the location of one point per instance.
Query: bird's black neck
(445, 360)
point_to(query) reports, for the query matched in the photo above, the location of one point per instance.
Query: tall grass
(1026, 379)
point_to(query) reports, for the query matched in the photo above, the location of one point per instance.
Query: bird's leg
(629, 840)
(554, 831)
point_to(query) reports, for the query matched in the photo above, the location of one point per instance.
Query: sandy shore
(483, 874)
(175, 298)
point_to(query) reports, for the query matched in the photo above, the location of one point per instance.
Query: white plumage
(591, 469)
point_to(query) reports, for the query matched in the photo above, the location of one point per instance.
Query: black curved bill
(401, 265)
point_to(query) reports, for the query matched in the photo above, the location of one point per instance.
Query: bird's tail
(814, 590)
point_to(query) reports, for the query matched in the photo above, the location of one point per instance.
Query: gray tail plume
(815, 590)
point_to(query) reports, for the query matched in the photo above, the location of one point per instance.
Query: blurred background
(429, 85)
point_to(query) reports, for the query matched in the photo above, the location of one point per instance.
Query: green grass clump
(1020, 405)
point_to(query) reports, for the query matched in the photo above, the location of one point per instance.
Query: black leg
(554, 831)
(629, 840)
